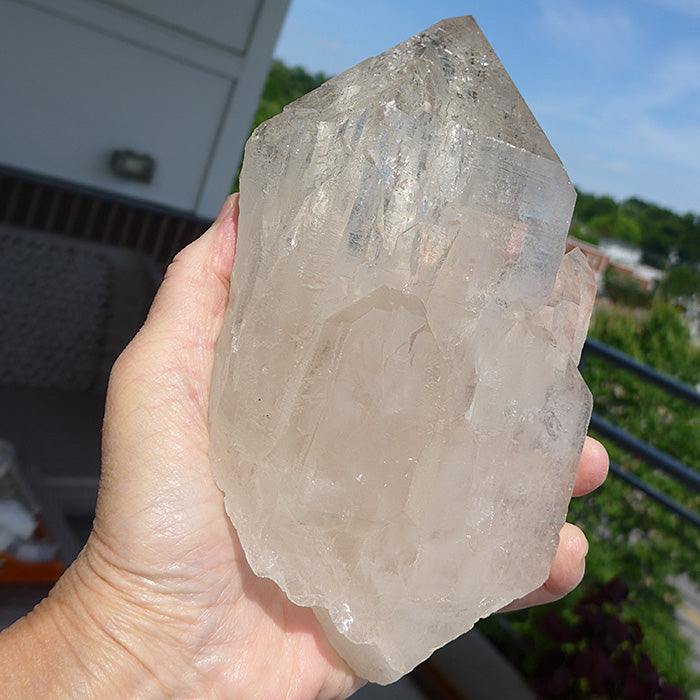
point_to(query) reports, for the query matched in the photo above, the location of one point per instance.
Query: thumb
(187, 312)
(157, 400)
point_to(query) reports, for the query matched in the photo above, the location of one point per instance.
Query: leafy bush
(682, 281)
(589, 651)
(626, 290)
(633, 537)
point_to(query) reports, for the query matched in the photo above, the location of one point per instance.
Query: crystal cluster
(396, 413)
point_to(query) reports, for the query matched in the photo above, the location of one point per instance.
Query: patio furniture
(67, 309)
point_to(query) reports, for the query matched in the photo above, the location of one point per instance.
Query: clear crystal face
(396, 415)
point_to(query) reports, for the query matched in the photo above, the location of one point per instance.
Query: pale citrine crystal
(396, 413)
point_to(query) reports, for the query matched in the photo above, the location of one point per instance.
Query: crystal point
(396, 414)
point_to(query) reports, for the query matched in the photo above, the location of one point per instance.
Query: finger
(593, 467)
(566, 573)
(158, 390)
(173, 352)
(191, 301)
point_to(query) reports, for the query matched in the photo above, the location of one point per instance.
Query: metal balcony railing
(637, 447)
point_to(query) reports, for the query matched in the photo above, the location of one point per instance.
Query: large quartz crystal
(396, 414)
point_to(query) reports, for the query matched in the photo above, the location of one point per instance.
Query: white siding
(227, 23)
(79, 78)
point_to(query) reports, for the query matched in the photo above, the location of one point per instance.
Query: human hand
(161, 602)
(162, 581)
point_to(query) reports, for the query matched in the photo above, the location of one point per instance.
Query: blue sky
(615, 85)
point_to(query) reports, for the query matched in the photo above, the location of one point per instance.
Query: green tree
(590, 205)
(659, 232)
(682, 281)
(284, 85)
(616, 224)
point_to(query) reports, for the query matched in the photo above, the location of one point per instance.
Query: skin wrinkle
(119, 564)
(60, 631)
(163, 625)
(176, 574)
(175, 386)
(100, 627)
(171, 379)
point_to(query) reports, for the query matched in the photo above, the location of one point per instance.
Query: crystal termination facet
(396, 414)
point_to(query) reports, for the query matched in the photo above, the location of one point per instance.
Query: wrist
(67, 646)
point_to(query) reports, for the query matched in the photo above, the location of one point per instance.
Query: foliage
(590, 651)
(665, 231)
(284, 85)
(589, 206)
(661, 234)
(626, 290)
(682, 281)
(616, 225)
(632, 536)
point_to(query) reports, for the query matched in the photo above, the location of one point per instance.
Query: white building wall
(174, 79)
(621, 252)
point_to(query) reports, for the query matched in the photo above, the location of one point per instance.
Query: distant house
(626, 259)
(141, 99)
(620, 252)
